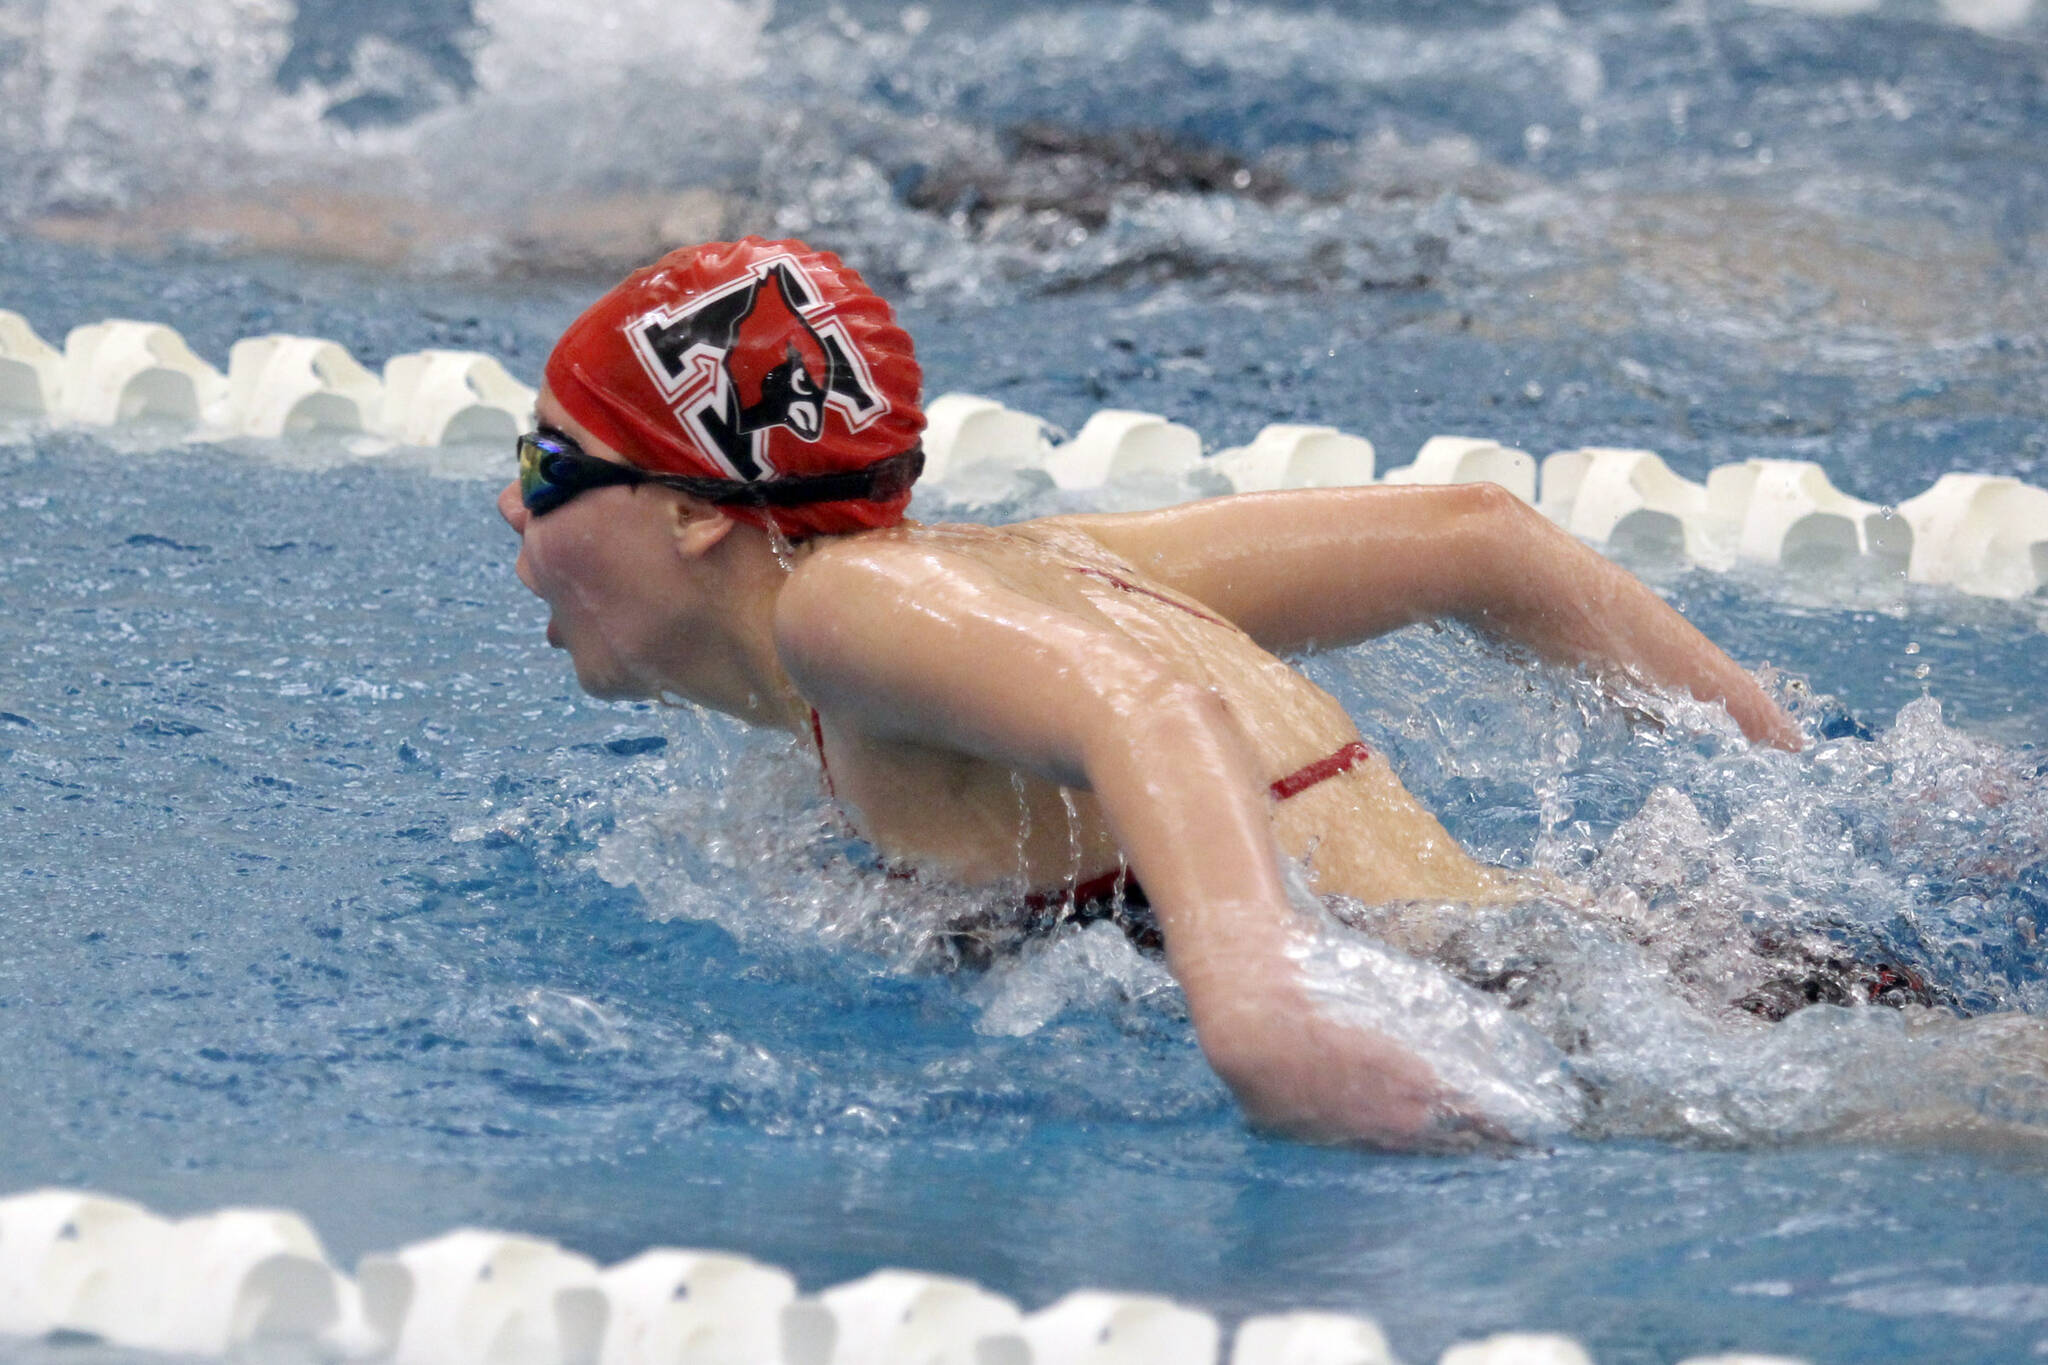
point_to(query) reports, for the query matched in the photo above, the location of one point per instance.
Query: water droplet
(778, 544)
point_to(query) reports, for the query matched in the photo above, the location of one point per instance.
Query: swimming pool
(327, 889)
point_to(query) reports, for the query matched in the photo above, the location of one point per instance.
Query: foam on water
(115, 104)
(974, 154)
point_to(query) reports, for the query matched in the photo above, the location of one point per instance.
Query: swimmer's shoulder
(1078, 537)
(934, 553)
(872, 627)
(871, 579)
(899, 577)
(888, 558)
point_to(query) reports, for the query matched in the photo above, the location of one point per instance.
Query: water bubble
(568, 1024)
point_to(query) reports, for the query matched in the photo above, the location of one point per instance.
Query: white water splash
(109, 93)
(110, 102)
(533, 45)
(1609, 1007)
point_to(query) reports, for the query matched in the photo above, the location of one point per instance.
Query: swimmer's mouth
(554, 635)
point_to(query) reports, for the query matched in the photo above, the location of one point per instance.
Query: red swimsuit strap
(1322, 770)
(818, 738)
(1156, 596)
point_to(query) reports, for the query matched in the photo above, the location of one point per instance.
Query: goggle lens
(540, 493)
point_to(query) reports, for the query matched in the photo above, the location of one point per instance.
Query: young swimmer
(712, 508)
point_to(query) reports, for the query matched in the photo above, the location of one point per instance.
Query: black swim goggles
(554, 469)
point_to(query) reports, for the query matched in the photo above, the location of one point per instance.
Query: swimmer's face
(602, 562)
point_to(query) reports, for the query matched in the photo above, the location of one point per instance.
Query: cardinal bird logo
(760, 355)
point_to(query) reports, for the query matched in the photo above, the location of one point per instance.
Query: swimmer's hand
(1302, 1074)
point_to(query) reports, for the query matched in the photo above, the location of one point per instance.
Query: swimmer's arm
(903, 649)
(1324, 568)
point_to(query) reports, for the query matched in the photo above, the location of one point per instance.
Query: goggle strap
(882, 481)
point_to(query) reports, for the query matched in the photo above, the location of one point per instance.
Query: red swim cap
(754, 362)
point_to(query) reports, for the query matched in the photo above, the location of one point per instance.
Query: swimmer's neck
(721, 651)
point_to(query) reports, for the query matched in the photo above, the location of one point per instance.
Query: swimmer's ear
(700, 528)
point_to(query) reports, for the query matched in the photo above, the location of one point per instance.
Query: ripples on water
(964, 148)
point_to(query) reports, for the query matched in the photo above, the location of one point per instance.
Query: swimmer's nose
(511, 508)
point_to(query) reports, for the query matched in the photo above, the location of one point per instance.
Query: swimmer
(712, 507)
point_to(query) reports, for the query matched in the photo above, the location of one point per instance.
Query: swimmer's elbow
(1191, 706)
(1497, 536)
(1146, 712)
(1183, 704)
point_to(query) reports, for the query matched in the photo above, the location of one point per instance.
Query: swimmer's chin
(612, 689)
(602, 686)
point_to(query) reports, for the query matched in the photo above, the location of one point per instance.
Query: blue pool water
(325, 888)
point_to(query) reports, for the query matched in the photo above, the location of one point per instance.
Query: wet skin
(958, 815)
